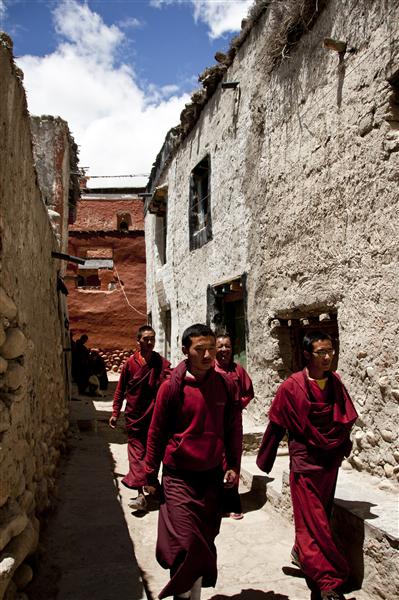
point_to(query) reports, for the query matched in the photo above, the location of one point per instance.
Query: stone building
(272, 206)
(33, 366)
(107, 294)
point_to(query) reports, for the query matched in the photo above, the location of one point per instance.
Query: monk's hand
(112, 422)
(152, 489)
(230, 478)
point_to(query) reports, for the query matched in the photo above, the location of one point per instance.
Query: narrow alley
(220, 247)
(114, 548)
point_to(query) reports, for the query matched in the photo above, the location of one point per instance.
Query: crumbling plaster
(304, 163)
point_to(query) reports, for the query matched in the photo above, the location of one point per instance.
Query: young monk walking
(195, 423)
(139, 381)
(225, 364)
(314, 407)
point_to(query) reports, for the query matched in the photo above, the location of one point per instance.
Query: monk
(195, 424)
(314, 407)
(139, 381)
(244, 393)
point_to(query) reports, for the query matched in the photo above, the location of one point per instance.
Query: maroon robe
(244, 394)
(138, 383)
(318, 423)
(195, 423)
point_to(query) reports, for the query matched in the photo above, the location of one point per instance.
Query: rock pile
(114, 359)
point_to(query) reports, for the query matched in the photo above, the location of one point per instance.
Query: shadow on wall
(349, 516)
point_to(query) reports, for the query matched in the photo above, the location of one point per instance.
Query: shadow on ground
(86, 551)
(256, 497)
(251, 594)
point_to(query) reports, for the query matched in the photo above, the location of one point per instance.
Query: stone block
(7, 306)
(5, 420)
(12, 526)
(3, 365)
(15, 553)
(15, 344)
(15, 377)
(387, 435)
(366, 124)
(3, 335)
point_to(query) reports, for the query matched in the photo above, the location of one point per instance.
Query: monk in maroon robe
(314, 407)
(194, 426)
(244, 393)
(139, 381)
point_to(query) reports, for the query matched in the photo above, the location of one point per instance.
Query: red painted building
(107, 297)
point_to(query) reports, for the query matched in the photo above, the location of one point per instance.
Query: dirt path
(95, 548)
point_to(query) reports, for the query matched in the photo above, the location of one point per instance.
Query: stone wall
(33, 398)
(56, 163)
(304, 178)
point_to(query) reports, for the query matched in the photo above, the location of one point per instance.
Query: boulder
(15, 344)
(7, 306)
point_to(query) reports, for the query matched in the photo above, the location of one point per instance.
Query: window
(90, 274)
(124, 221)
(200, 225)
(160, 237)
(290, 333)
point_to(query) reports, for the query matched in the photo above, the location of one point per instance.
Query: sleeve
(268, 449)
(157, 434)
(233, 433)
(120, 391)
(246, 388)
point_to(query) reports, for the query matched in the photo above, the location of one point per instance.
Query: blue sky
(118, 71)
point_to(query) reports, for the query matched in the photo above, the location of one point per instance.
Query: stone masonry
(33, 397)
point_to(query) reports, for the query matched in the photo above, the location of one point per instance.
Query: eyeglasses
(324, 353)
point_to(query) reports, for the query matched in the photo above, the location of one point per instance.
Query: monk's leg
(136, 447)
(319, 557)
(189, 520)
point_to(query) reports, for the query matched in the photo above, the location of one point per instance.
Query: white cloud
(131, 23)
(119, 126)
(3, 9)
(221, 16)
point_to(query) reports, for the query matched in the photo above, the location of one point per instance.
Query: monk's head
(146, 339)
(319, 353)
(198, 344)
(224, 350)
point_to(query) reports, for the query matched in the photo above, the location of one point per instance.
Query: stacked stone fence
(33, 363)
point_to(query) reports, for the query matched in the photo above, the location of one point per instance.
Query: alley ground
(95, 548)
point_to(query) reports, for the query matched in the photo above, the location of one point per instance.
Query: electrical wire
(126, 298)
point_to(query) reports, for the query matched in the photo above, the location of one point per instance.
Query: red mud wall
(105, 315)
(102, 215)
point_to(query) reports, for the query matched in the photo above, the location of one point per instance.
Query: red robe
(238, 375)
(138, 383)
(193, 426)
(318, 423)
(244, 394)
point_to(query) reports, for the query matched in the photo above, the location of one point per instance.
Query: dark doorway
(227, 313)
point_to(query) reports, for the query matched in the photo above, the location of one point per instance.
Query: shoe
(139, 503)
(236, 516)
(332, 595)
(295, 558)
